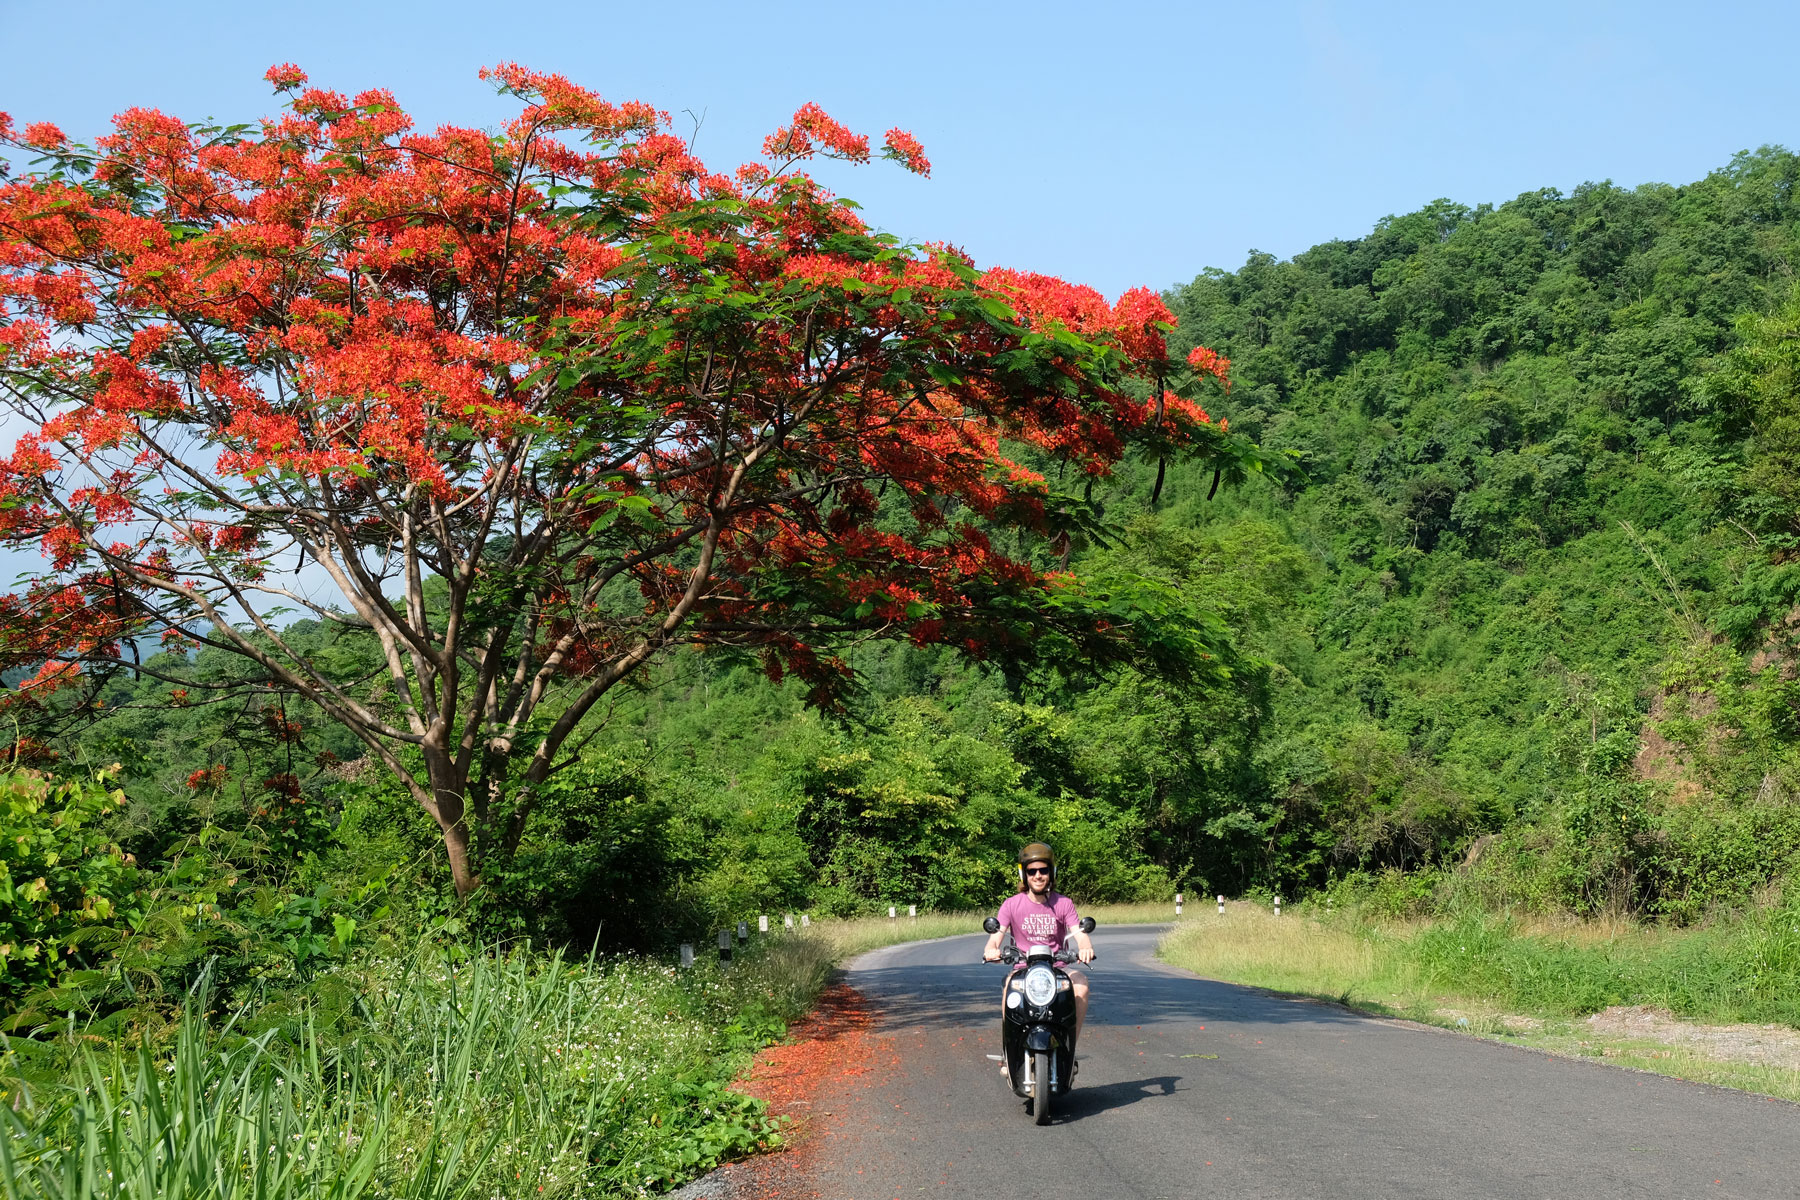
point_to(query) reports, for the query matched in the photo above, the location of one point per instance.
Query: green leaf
(998, 309)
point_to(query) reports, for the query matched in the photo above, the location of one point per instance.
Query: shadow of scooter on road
(1090, 1101)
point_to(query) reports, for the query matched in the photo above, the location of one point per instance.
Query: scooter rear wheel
(1040, 1088)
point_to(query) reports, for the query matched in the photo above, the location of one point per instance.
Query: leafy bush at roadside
(62, 876)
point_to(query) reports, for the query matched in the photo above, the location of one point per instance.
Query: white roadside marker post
(762, 923)
(724, 947)
(912, 910)
(787, 920)
(805, 920)
(1221, 906)
(687, 955)
(1178, 904)
(890, 912)
(1278, 906)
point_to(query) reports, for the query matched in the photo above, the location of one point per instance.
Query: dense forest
(1518, 629)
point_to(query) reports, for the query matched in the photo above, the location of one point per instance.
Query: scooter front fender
(1040, 1039)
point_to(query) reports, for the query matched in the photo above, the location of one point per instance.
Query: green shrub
(1389, 893)
(62, 878)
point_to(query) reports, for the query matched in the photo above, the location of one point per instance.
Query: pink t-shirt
(1035, 924)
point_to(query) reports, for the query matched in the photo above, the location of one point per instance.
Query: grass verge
(1734, 987)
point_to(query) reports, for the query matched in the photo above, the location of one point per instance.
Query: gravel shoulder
(1757, 1045)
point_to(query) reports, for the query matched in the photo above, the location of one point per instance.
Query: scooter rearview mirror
(1087, 924)
(992, 925)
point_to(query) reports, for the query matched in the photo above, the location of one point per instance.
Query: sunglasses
(1037, 870)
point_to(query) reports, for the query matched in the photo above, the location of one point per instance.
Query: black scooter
(1037, 1028)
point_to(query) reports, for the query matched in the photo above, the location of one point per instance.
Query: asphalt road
(1194, 1088)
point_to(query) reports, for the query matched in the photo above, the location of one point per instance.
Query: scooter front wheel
(1040, 1088)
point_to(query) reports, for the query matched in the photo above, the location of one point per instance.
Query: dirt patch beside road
(1759, 1045)
(804, 1080)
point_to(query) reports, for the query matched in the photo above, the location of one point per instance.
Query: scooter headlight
(1040, 985)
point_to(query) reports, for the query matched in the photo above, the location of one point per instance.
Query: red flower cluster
(285, 786)
(905, 147)
(812, 133)
(44, 136)
(1210, 362)
(280, 727)
(285, 76)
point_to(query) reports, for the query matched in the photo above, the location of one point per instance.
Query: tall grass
(1291, 954)
(502, 1076)
(1745, 970)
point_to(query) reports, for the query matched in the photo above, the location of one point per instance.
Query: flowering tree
(541, 405)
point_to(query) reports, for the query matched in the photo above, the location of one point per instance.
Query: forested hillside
(1536, 532)
(1518, 630)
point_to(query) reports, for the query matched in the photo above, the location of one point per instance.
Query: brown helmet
(1037, 852)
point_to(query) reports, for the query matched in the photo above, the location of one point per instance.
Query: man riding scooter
(1041, 916)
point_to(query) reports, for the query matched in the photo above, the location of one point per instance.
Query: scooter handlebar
(1010, 957)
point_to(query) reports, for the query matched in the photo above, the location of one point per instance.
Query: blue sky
(1111, 144)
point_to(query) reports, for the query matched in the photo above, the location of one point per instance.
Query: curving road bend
(1190, 1087)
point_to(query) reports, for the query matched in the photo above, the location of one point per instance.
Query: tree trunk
(456, 845)
(448, 793)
